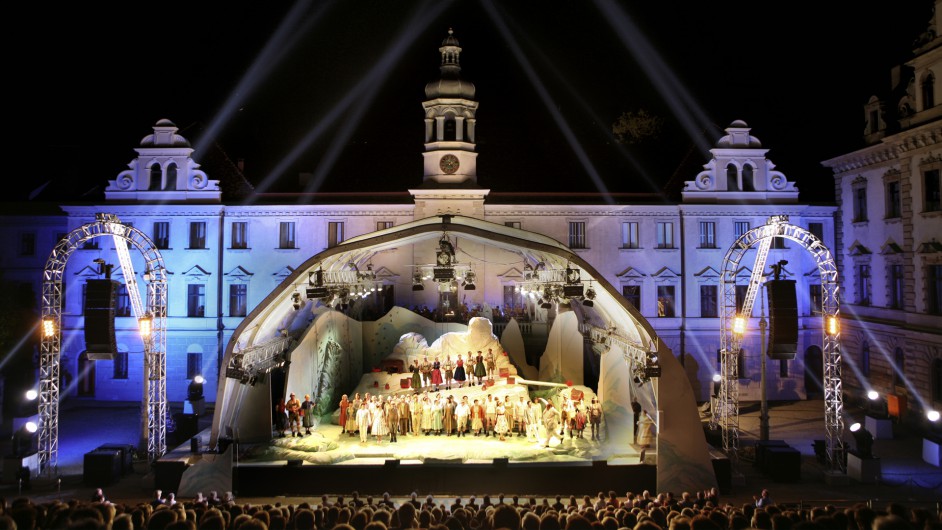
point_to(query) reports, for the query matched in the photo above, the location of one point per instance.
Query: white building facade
(223, 257)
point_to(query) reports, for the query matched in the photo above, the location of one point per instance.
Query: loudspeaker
(783, 319)
(102, 467)
(100, 297)
(295, 463)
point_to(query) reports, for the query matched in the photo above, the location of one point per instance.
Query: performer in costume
(477, 417)
(352, 414)
(501, 427)
(426, 415)
(436, 374)
(533, 422)
(490, 414)
(416, 376)
(379, 420)
(438, 412)
(480, 371)
(449, 367)
(462, 411)
(416, 408)
(363, 421)
(307, 414)
(293, 406)
(392, 418)
(551, 419)
(448, 416)
(426, 372)
(281, 418)
(405, 415)
(459, 372)
(579, 420)
(520, 416)
(491, 363)
(595, 417)
(344, 408)
(645, 433)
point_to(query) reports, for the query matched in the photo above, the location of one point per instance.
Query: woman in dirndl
(416, 376)
(436, 373)
(344, 408)
(502, 426)
(480, 370)
(379, 428)
(459, 372)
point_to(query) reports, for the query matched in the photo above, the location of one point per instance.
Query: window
(708, 301)
(707, 234)
(896, 286)
(865, 359)
(90, 244)
(577, 234)
(334, 233)
(817, 230)
(936, 380)
(732, 178)
(928, 97)
(816, 299)
(197, 234)
(155, 178)
(512, 299)
(512, 224)
(665, 300)
(748, 183)
(286, 237)
(237, 299)
(122, 301)
(194, 364)
(195, 300)
(932, 186)
(665, 235)
(894, 203)
(740, 228)
(162, 235)
(899, 363)
(120, 365)
(240, 235)
(632, 293)
(741, 291)
(629, 235)
(382, 225)
(778, 242)
(27, 244)
(860, 204)
(863, 284)
(171, 183)
(782, 368)
(934, 289)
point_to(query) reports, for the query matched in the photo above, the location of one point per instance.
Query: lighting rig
(339, 289)
(446, 272)
(551, 286)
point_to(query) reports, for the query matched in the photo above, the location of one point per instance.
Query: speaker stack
(100, 298)
(783, 319)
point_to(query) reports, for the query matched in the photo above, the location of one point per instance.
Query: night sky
(89, 81)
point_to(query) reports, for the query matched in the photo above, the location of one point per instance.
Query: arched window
(451, 132)
(155, 174)
(732, 178)
(937, 380)
(899, 361)
(194, 361)
(928, 96)
(748, 183)
(171, 177)
(865, 359)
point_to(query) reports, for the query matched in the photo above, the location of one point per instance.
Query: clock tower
(450, 183)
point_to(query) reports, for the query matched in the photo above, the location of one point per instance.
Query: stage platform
(450, 464)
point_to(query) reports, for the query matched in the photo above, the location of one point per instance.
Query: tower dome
(450, 85)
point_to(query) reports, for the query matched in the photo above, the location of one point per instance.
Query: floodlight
(739, 325)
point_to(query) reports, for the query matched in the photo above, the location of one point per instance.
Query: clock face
(444, 258)
(449, 164)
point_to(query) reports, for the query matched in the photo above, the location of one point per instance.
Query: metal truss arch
(726, 414)
(155, 405)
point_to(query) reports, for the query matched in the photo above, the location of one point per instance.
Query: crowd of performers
(437, 373)
(434, 414)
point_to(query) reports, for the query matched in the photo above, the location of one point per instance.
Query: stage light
(863, 439)
(49, 328)
(24, 439)
(739, 325)
(296, 301)
(31, 427)
(145, 326)
(932, 415)
(833, 325)
(589, 297)
(716, 384)
(873, 395)
(194, 391)
(31, 394)
(199, 379)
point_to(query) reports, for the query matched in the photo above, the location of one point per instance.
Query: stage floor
(328, 446)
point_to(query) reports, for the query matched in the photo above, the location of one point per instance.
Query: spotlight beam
(551, 107)
(367, 88)
(284, 39)
(684, 107)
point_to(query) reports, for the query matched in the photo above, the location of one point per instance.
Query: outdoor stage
(465, 465)
(328, 460)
